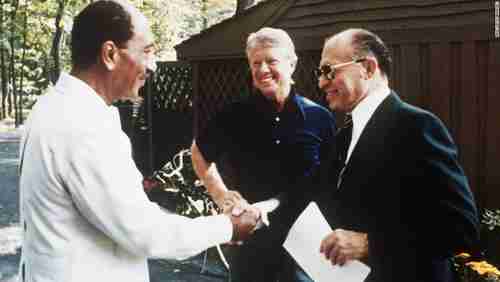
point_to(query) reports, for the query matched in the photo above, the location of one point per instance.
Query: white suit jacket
(85, 213)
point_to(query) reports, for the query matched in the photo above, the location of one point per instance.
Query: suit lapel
(372, 141)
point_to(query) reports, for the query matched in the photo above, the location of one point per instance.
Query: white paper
(303, 243)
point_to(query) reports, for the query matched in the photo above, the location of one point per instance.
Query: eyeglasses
(328, 71)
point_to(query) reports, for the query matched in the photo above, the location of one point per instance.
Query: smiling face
(348, 87)
(135, 60)
(272, 71)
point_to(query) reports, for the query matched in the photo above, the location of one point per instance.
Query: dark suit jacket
(404, 187)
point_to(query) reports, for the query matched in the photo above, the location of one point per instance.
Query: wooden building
(446, 59)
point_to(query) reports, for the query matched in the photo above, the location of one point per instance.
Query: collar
(71, 85)
(293, 105)
(363, 112)
(365, 109)
(86, 96)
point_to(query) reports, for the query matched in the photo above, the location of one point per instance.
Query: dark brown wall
(320, 18)
(309, 22)
(454, 80)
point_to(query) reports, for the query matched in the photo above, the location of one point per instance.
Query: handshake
(244, 216)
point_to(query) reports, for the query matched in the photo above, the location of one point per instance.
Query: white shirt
(86, 214)
(362, 114)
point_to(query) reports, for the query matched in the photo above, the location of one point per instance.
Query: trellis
(162, 125)
(171, 87)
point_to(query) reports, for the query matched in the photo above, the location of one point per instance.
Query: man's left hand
(341, 246)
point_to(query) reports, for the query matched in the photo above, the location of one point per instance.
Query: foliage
(473, 269)
(176, 188)
(491, 219)
(175, 21)
(26, 41)
(31, 52)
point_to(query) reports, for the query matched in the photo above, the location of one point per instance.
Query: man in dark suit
(399, 199)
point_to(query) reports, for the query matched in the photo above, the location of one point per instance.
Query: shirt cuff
(221, 229)
(266, 207)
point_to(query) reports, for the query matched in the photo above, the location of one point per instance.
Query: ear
(371, 66)
(109, 55)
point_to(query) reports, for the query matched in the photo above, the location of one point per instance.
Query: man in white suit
(83, 210)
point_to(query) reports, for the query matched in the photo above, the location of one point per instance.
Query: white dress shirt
(362, 114)
(87, 217)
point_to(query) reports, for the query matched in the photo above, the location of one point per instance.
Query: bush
(476, 269)
(472, 270)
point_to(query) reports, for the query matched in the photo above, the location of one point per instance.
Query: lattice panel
(306, 81)
(171, 87)
(220, 83)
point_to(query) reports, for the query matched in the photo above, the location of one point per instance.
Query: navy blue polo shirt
(267, 152)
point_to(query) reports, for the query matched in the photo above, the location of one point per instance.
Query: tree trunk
(54, 51)
(241, 5)
(3, 67)
(12, 69)
(19, 109)
(3, 71)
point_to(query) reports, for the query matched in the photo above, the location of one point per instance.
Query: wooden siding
(490, 194)
(392, 15)
(310, 21)
(451, 79)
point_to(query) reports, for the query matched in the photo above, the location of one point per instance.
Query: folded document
(303, 243)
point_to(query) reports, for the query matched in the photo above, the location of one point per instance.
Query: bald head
(354, 64)
(359, 43)
(342, 43)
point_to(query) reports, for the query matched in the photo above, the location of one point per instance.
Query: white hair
(272, 38)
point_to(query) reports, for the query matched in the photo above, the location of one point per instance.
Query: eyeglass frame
(330, 75)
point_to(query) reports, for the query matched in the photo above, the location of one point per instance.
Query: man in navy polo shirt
(272, 142)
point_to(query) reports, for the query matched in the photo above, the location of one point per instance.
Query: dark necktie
(344, 136)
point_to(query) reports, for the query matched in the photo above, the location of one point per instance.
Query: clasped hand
(244, 216)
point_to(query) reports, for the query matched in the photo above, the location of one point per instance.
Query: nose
(264, 67)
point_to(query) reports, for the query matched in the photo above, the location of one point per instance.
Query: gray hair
(272, 38)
